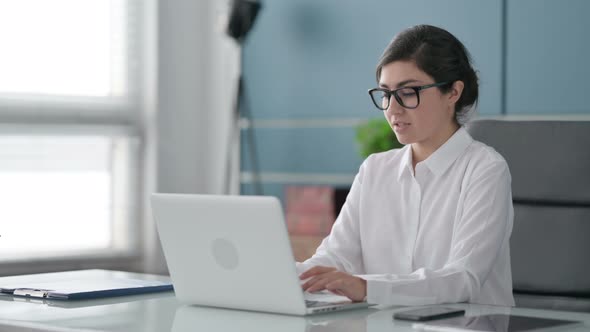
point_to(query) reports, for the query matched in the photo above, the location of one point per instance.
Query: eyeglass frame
(416, 89)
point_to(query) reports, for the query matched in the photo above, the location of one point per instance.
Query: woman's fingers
(312, 281)
(315, 271)
(319, 282)
(341, 283)
(350, 286)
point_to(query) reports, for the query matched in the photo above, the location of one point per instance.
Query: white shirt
(437, 236)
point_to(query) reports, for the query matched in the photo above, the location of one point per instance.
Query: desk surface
(162, 312)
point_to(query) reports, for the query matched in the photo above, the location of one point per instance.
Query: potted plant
(375, 135)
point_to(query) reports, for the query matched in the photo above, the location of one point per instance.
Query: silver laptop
(234, 252)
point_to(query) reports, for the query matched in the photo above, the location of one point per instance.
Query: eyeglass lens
(406, 97)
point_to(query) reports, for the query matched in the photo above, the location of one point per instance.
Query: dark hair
(439, 54)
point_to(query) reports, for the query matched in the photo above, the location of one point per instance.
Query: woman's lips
(400, 126)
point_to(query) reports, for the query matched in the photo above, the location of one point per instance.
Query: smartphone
(424, 314)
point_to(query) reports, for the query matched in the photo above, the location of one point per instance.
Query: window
(69, 122)
(63, 47)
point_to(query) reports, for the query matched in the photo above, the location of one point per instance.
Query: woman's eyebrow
(399, 85)
(403, 83)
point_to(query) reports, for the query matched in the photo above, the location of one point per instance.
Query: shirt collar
(439, 161)
(406, 162)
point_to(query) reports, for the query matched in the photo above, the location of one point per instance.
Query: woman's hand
(341, 283)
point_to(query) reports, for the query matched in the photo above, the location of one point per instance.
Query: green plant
(375, 135)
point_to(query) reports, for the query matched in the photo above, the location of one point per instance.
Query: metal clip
(32, 292)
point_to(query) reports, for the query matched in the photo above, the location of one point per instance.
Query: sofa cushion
(550, 250)
(550, 166)
(548, 160)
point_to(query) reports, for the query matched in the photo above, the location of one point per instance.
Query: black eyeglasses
(407, 96)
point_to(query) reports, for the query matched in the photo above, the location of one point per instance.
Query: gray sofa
(550, 244)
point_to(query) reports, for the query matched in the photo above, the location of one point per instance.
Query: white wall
(196, 72)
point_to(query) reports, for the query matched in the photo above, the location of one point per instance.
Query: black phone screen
(424, 314)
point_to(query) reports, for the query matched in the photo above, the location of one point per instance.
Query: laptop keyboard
(322, 299)
(313, 304)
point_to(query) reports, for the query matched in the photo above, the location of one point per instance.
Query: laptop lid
(228, 251)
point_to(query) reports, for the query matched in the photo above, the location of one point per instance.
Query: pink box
(309, 210)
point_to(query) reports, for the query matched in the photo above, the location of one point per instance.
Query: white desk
(161, 312)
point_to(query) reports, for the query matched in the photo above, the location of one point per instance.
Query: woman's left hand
(341, 283)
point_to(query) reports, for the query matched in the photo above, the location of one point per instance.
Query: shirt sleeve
(341, 248)
(479, 235)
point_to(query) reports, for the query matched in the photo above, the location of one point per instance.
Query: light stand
(242, 16)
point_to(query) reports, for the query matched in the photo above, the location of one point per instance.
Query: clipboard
(85, 287)
(97, 302)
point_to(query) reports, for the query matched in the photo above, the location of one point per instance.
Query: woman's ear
(456, 91)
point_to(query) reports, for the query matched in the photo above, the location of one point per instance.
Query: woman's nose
(394, 106)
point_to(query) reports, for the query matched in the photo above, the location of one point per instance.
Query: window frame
(117, 117)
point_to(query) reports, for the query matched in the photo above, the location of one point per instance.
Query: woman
(430, 222)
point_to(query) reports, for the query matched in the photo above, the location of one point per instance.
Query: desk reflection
(193, 318)
(491, 323)
(506, 323)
